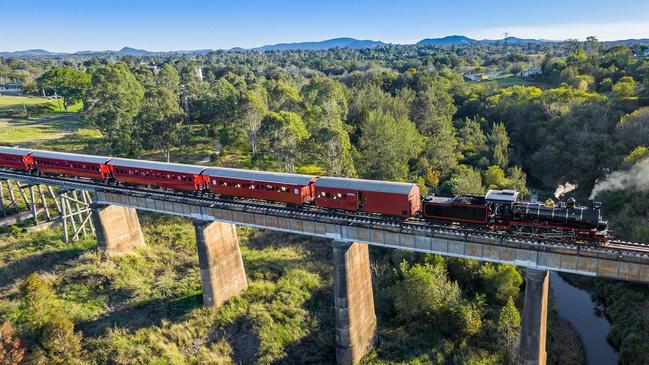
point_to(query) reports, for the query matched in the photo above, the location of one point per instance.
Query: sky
(164, 25)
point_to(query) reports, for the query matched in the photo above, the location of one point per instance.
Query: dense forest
(401, 113)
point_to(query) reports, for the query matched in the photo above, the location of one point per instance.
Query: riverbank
(565, 345)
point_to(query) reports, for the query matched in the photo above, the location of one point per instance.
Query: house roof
(14, 151)
(70, 157)
(365, 185)
(155, 165)
(261, 176)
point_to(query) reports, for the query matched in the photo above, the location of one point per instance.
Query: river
(576, 306)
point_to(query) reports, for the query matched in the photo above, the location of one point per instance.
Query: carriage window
(237, 186)
(297, 191)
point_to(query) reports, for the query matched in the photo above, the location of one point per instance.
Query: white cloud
(603, 31)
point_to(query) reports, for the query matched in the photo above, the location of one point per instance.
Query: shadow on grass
(39, 262)
(317, 249)
(141, 315)
(318, 346)
(244, 340)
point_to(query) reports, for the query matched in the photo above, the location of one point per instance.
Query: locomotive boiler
(501, 211)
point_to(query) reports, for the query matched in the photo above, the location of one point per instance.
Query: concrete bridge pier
(354, 302)
(117, 228)
(534, 318)
(222, 273)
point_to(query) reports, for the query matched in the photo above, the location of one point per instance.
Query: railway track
(311, 212)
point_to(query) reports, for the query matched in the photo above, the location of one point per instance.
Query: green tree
(116, 98)
(160, 120)
(144, 76)
(253, 110)
(625, 87)
(500, 282)
(432, 111)
(282, 95)
(465, 180)
(425, 293)
(282, 133)
(517, 179)
(224, 103)
(168, 77)
(387, 144)
(335, 151)
(507, 327)
(499, 141)
(467, 317)
(633, 129)
(66, 82)
(325, 105)
(494, 178)
(325, 101)
(473, 142)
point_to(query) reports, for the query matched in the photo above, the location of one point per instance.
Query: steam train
(497, 211)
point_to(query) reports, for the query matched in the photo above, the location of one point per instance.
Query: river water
(576, 306)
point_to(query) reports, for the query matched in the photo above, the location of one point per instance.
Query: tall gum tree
(115, 98)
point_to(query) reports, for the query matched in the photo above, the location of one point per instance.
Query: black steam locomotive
(501, 211)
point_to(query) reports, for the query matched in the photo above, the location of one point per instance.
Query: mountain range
(451, 40)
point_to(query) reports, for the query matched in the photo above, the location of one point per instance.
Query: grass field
(19, 103)
(46, 124)
(37, 130)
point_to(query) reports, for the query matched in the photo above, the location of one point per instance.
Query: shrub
(49, 327)
(11, 349)
(424, 293)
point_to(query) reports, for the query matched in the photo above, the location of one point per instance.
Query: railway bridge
(114, 214)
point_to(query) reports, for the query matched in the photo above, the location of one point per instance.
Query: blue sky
(72, 25)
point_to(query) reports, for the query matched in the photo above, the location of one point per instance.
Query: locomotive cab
(500, 203)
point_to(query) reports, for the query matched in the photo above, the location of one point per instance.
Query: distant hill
(134, 52)
(458, 40)
(451, 40)
(515, 40)
(327, 44)
(29, 53)
(628, 42)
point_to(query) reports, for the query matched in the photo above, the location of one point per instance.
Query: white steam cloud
(636, 178)
(564, 189)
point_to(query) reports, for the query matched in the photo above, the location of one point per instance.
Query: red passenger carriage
(158, 174)
(384, 197)
(274, 186)
(72, 164)
(16, 158)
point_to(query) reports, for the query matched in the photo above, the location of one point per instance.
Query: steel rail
(310, 212)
